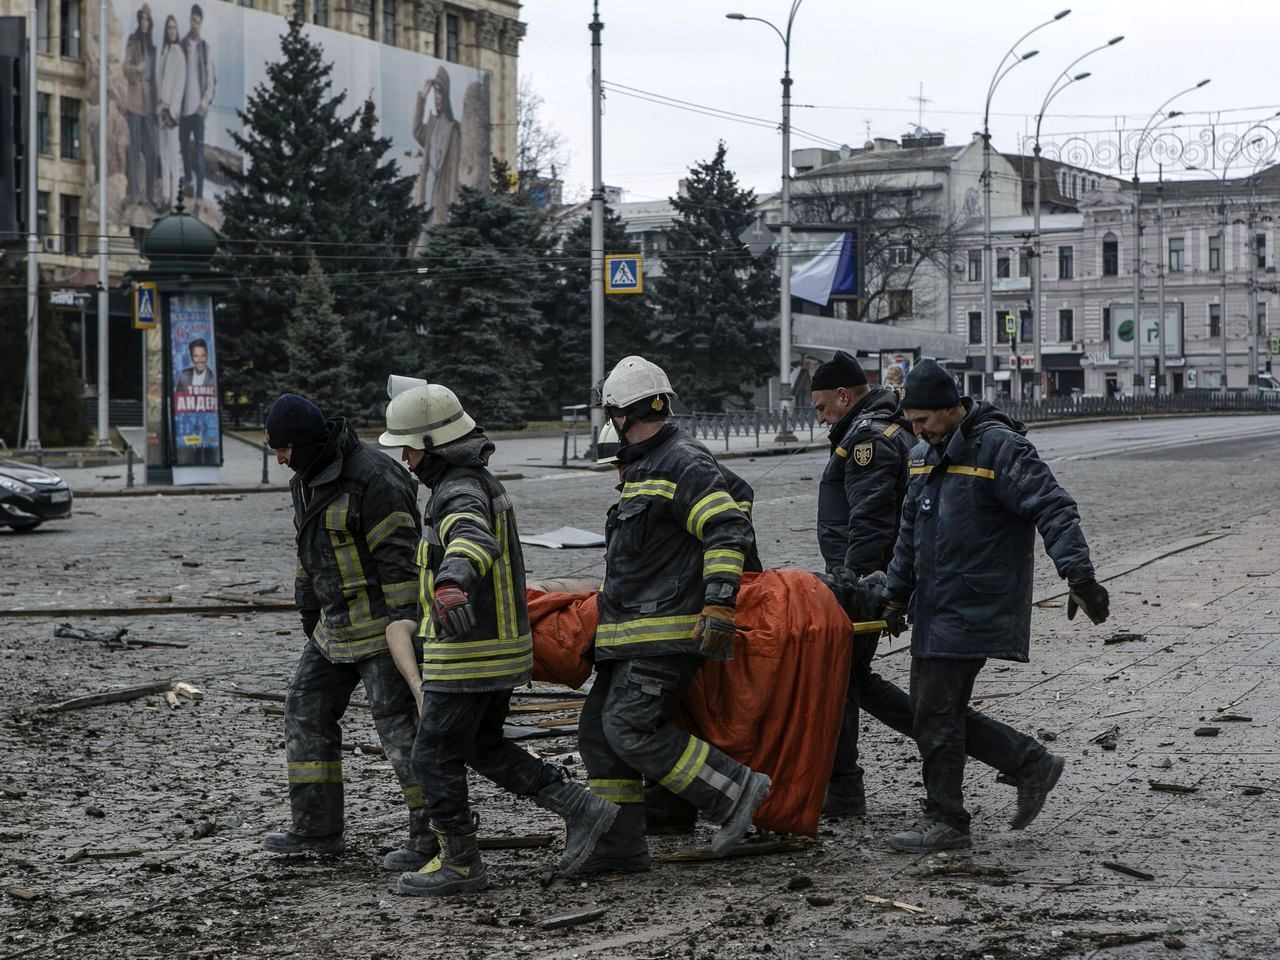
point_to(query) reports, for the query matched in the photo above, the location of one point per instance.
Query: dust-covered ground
(131, 830)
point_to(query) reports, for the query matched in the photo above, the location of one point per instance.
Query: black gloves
(453, 611)
(895, 617)
(310, 620)
(1089, 596)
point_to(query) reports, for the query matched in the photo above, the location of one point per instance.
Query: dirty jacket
(469, 538)
(861, 491)
(965, 548)
(676, 529)
(356, 516)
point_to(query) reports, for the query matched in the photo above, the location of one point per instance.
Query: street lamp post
(1252, 325)
(1153, 121)
(1064, 80)
(988, 322)
(784, 252)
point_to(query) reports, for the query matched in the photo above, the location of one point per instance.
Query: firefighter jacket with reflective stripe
(676, 530)
(356, 516)
(965, 549)
(470, 539)
(860, 494)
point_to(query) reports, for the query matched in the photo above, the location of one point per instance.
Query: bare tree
(541, 151)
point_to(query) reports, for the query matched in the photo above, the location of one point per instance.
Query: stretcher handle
(870, 626)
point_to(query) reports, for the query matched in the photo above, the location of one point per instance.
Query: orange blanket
(775, 707)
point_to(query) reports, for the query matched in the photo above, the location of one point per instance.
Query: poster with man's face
(195, 380)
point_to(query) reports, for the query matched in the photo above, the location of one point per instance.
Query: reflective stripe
(706, 508)
(476, 649)
(504, 593)
(649, 488)
(387, 526)
(414, 798)
(723, 561)
(646, 630)
(447, 523)
(400, 594)
(687, 767)
(315, 771)
(426, 593)
(745, 506)
(354, 584)
(973, 472)
(717, 781)
(618, 791)
(893, 428)
(479, 670)
(472, 551)
(916, 471)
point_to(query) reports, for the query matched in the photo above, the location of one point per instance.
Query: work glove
(895, 617)
(1089, 596)
(310, 620)
(453, 611)
(715, 631)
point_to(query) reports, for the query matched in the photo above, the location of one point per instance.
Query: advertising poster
(894, 367)
(196, 437)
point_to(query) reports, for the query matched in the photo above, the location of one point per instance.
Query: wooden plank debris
(1171, 787)
(573, 919)
(112, 696)
(1128, 870)
(764, 848)
(901, 905)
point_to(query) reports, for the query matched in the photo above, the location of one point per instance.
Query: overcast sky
(860, 64)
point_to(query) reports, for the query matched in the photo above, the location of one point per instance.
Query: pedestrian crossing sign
(146, 305)
(624, 274)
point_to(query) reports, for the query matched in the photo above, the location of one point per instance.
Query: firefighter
(859, 497)
(476, 645)
(676, 547)
(963, 565)
(356, 517)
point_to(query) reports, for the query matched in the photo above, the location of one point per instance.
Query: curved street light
(1002, 70)
(784, 252)
(1065, 79)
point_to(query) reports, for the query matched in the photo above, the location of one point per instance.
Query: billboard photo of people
(894, 367)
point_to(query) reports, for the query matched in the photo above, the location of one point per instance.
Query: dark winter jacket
(861, 490)
(469, 538)
(677, 529)
(356, 514)
(965, 550)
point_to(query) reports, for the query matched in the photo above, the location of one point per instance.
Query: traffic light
(15, 150)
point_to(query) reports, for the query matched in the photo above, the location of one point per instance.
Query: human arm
(391, 526)
(872, 468)
(405, 655)
(206, 98)
(465, 527)
(1027, 488)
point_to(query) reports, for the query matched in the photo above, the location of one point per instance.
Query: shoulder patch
(862, 454)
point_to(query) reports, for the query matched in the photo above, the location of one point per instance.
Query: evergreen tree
(318, 348)
(62, 415)
(717, 304)
(487, 285)
(317, 183)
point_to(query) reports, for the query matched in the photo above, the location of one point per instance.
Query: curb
(223, 491)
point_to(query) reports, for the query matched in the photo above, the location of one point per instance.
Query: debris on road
(21, 893)
(800, 883)
(1207, 731)
(156, 598)
(247, 599)
(909, 907)
(1171, 787)
(570, 538)
(1232, 718)
(1123, 637)
(819, 900)
(171, 699)
(761, 849)
(116, 639)
(1046, 736)
(1128, 870)
(573, 919)
(1109, 739)
(111, 696)
(965, 870)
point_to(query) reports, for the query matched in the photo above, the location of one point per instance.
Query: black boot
(457, 868)
(623, 849)
(731, 831)
(286, 841)
(420, 851)
(1033, 789)
(846, 797)
(586, 819)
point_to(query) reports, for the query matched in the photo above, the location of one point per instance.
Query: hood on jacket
(878, 400)
(473, 450)
(982, 415)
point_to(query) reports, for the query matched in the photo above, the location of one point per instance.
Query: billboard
(1122, 330)
(193, 368)
(179, 72)
(894, 367)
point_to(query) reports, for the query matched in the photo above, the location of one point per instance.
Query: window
(70, 109)
(900, 255)
(389, 22)
(373, 21)
(1106, 324)
(320, 12)
(900, 303)
(1215, 253)
(44, 134)
(975, 326)
(1111, 257)
(1002, 326)
(1215, 319)
(975, 264)
(1002, 266)
(1177, 248)
(1075, 185)
(1260, 248)
(70, 224)
(1066, 263)
(69, 35)
(1066, 326)
(42, 213)
(1024, 263)
(1260, 321)
(452, 32)
(42, 26)
(1025, 333)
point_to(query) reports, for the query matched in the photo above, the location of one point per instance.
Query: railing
(764, 425)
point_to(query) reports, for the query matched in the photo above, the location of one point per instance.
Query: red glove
(453, 611)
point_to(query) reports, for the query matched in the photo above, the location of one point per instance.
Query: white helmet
(431, 412)
(633, 379)
(607, 444)
(397, 385)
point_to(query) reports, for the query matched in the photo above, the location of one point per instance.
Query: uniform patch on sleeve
(862, 453)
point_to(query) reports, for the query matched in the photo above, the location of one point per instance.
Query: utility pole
(597, 222)
(1161, 253)
(104, 304)
(1251, 321)
(32, 150)
(1222, 299)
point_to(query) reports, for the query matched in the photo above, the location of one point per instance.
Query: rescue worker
(356, 516)
(666, 813)
(675, 550)
(859, 498)
(476, 645)
(963, 566)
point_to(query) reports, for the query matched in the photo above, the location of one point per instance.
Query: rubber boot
(928, 835)
(417, 854)
(586, 819)
(665, 814)
(753, 794)
(623, 849)
(286, 841)
(457, 868)
(846, 797)
(1033, 789)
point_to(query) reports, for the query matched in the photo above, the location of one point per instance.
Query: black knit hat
(929, 387)
(842, 370)
(295, 421)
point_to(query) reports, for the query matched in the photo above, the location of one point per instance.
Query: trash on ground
(1108, 740)
(1123, 637)
(1171, 787)
(565, 538)
(1128, 870)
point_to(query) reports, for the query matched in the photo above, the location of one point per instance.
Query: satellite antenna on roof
(920, 100)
